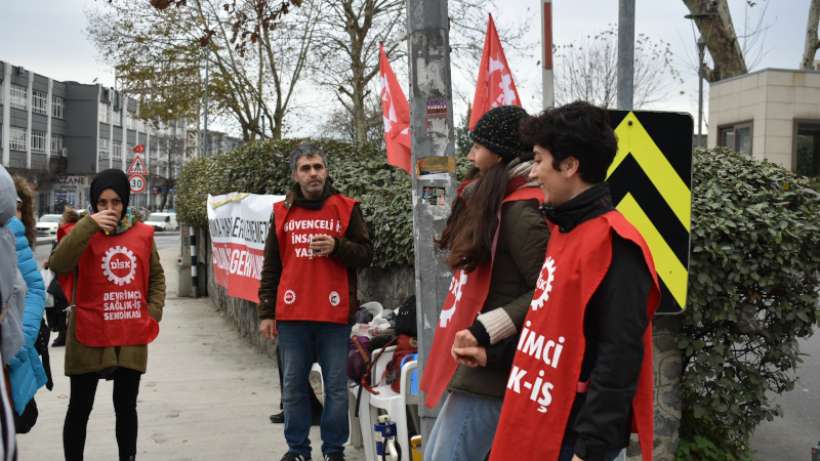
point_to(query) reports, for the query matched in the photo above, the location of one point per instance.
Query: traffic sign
(651, 184)
(137, 165)
(137, 182)
(139, 148)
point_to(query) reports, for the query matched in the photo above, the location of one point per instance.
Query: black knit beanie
(115, 180)
(497, 130)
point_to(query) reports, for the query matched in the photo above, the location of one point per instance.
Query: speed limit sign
(137, 182)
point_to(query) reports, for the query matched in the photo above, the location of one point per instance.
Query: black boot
(59, 341)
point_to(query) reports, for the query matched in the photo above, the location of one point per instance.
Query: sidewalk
(206, 396)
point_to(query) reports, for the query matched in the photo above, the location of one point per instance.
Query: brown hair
(26, 209)
(473, 220)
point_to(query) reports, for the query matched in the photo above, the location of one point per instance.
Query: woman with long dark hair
(110, 271)
(495, 239)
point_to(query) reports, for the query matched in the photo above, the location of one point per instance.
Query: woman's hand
(106, 220)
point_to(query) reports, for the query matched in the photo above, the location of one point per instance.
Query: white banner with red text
(239, 224)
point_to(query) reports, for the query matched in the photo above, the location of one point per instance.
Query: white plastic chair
(395, 404)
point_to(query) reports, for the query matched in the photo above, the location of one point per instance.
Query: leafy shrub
(262, 168)
(753, 285)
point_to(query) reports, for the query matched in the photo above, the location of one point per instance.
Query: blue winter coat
(26, 368)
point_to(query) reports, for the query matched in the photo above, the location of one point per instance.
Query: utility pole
(433, 146)
(626, 53)
(701, 52)
(547, 79)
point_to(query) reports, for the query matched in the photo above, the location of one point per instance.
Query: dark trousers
(83, 389)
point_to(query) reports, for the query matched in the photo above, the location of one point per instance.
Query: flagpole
(433, 165)
(547, 79)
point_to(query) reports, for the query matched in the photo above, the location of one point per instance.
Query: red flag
(495, 86)
(396, 116)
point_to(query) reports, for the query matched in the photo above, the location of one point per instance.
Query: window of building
(56, 144)
(57, 106)
(116, 153)
(130, 122)
(39, 102)
(17, 138)
(807, 148)
(38, 141)
(737, 137)
(19, 97)
(104, 118)
(104, 147)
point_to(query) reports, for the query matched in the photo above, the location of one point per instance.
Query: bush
(752, 293)
(262, 168)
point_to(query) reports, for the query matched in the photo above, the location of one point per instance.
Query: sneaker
(59, 341)
(337, 456)
(291, 456)
(278, 418)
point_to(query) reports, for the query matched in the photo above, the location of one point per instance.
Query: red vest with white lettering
(543, 382)
(464, 301)
(112, 290)
(311, 287)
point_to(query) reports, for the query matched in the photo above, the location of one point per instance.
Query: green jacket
(522, 243)
(80, 359)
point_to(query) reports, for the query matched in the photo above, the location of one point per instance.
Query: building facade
(772, 114)
(60, 134)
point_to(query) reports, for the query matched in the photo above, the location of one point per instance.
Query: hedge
(752, 293)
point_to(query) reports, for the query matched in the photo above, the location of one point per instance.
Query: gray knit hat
(497, 130)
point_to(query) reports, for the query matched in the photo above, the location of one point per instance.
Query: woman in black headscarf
(110, 271)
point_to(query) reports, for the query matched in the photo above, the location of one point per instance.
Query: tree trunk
(714, 22)
(812, 42)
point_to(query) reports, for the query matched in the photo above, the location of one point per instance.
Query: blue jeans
(301, 343)
(464, 428)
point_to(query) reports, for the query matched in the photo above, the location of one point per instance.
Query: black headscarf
(115, 180)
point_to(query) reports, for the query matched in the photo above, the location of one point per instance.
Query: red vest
(464, 301)
(312, 288)
(112, 290)
(544, 379)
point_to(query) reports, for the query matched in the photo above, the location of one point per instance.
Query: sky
(49, 37)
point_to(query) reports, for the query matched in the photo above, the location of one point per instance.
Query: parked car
(47, 225)
(163, 221)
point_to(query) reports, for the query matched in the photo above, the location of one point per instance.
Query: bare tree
(159, 54)
(589, 70)
(714, 21)
(812, 41)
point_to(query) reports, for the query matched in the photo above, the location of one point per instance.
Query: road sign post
(137, 183)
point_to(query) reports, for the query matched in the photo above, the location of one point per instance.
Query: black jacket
(614, 323)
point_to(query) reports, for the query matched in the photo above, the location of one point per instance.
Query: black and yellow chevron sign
(651, 183)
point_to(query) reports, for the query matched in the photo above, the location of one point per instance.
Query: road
(791, 437)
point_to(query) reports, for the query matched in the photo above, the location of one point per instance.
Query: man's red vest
(464, 301)
(544, 379)
(112, 290)
(311, 287)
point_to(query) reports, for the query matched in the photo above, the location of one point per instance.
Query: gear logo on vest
(119, 265)
(456, 288)
(334, 298)
(543, 287)
(290, 297)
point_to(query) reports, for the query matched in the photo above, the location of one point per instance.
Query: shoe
(316, 419)
(278, 418)
(291, 456)
(59, 341)
(336, 456)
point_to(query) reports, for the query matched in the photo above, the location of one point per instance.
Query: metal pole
(701, 47)
(626, 53)
(433, 146)
(547, 80)
(194, 261)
